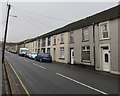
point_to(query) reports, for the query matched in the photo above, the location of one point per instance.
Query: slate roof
(109, 14)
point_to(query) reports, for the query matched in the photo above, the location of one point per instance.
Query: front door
(71, 56)
(54, 54)
(106, 60)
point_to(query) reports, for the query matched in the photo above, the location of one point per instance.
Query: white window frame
(101, 30)
(54, 40)
(62, 52)
(84, 33)
(85, 51)
(49, 41)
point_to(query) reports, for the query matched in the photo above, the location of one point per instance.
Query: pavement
(56, 78)
(0, 72)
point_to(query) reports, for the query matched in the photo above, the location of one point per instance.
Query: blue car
(43, 57)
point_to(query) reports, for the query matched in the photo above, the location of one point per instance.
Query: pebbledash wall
(92, 41)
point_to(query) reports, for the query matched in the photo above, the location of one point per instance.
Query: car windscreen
(46, 54)
(34, 53)
(24, 50)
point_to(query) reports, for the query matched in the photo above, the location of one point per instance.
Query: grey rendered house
(94, 41)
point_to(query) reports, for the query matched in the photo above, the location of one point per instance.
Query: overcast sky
(36, 18)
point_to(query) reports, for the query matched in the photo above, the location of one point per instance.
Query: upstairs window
(49, 41)
(71, 37)
(43, 42)
(54, 40)
(62, 38)
(38, 43)
(85, 34)
(104, 30)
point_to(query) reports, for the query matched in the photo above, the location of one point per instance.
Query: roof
(109, 14)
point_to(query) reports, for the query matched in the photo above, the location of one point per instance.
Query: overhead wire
(28, 21)
(38, 14)
(33, 19)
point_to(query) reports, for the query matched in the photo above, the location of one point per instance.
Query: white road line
(82, 84)
(39, 66)
(26, 60)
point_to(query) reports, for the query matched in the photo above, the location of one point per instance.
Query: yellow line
(20, 80)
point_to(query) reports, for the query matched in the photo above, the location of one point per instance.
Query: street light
(13, 16)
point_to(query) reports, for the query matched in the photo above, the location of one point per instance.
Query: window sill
(62, 43)
(62, 58)
(71, 43)
(85, 40)
(102, 39)
(85, 61)
(54, 44)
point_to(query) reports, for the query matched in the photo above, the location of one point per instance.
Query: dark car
(43, 57)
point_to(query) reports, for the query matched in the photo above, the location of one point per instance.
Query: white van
(22, 51)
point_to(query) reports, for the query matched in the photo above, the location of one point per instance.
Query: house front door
(106, 59)
(71, 56)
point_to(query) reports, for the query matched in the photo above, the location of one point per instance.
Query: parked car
(33, 55)
(43, 57)
(22, 51)
(13, 51)
(27, 54)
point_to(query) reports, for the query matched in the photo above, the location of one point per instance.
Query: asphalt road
(56, 78)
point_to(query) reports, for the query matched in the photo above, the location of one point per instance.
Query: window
(85, 34)
(62, 38)
(104, 30)
(38, 43)
(61, 52)
(43, 50)
(48, 50)
(54, 41)
(43, 42)
(86, 53)
(49, 41)
(33, 44)
(106, 57)
(71, 37)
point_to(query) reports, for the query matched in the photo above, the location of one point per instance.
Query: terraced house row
(92, 41)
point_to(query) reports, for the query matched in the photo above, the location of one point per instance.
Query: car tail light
(43, 56)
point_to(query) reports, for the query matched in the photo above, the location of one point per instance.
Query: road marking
(82, 84)
(39, 66)
(26, 60)
(20, 81)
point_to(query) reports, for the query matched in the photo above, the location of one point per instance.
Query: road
(56, 78)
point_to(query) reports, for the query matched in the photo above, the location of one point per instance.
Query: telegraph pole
(3, 50)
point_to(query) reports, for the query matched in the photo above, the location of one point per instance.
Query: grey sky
(36, 18)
